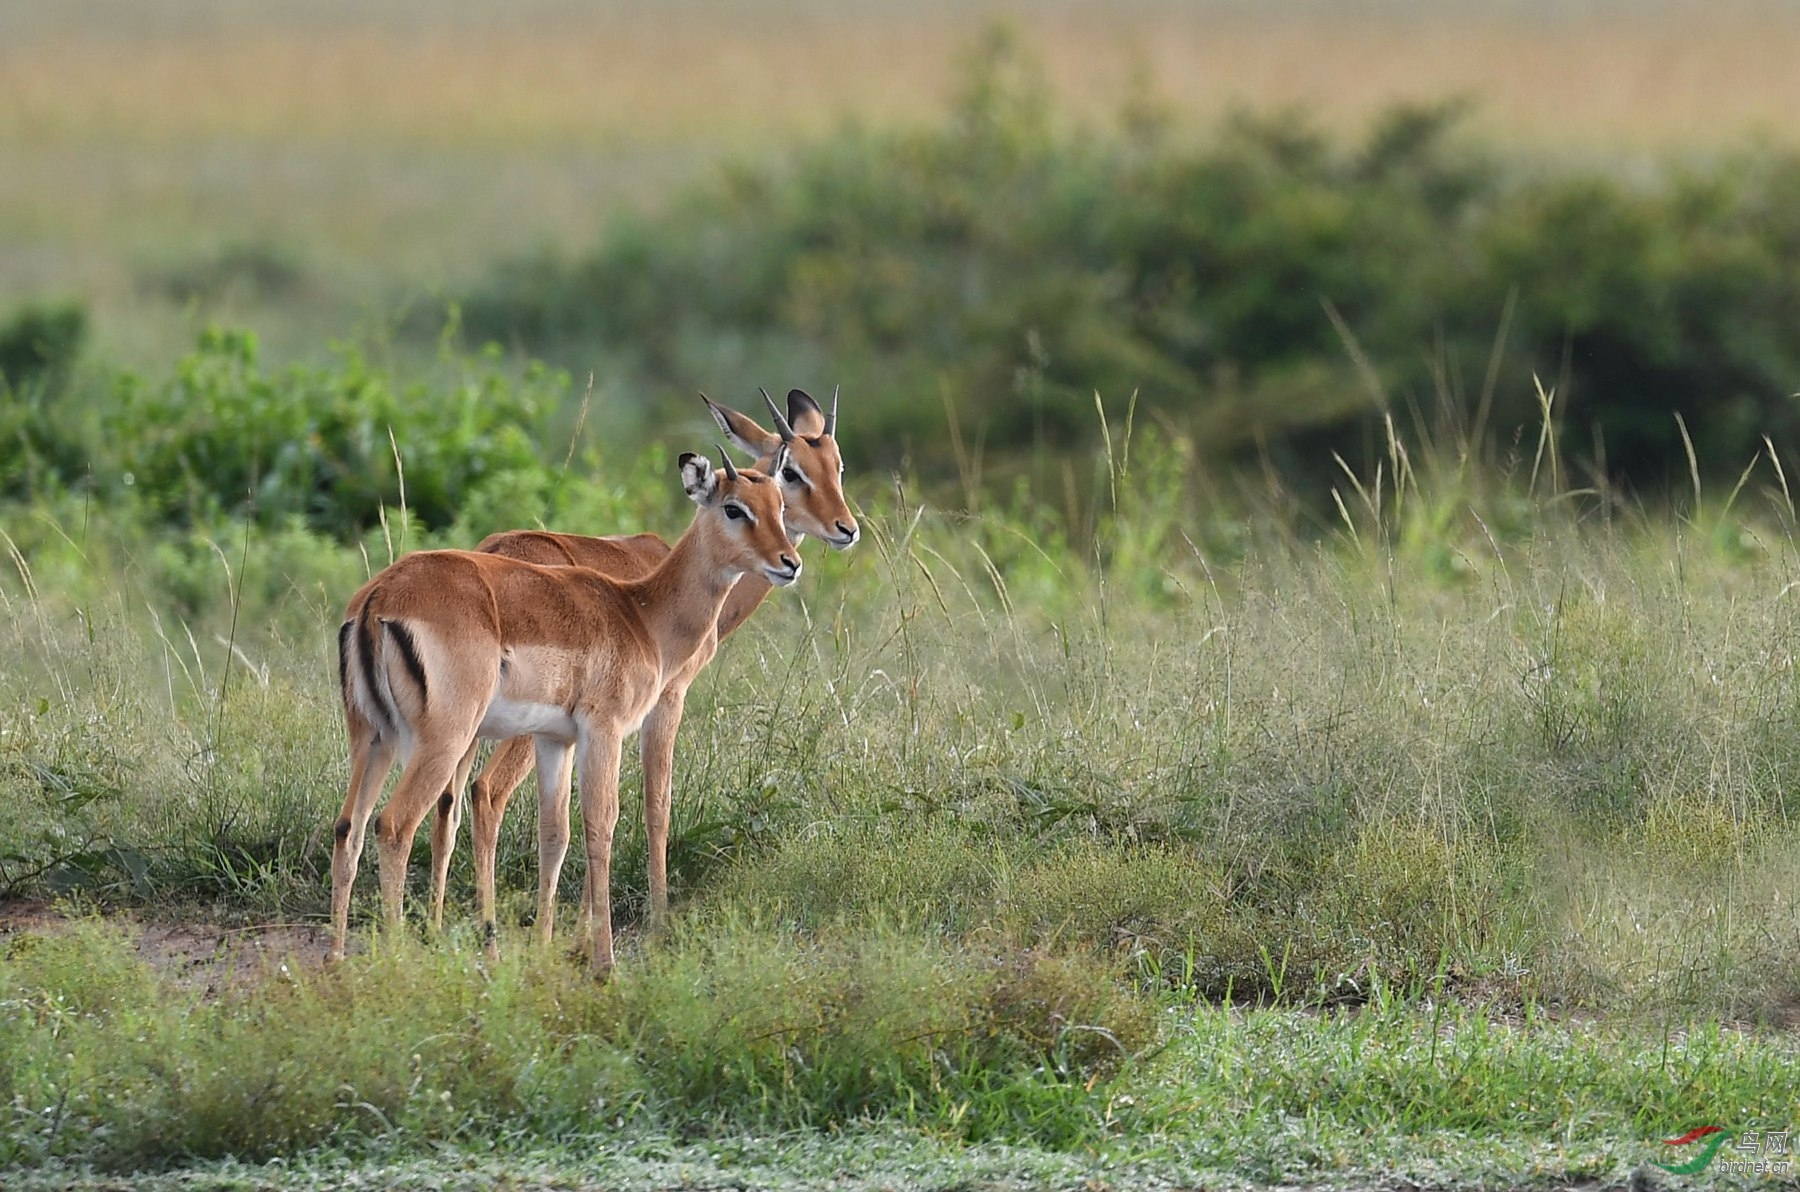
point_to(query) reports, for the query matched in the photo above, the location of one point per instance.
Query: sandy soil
(196, 953)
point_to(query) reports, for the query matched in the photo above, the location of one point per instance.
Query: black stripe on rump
(344, 632)
(409, 657)
(365, 657)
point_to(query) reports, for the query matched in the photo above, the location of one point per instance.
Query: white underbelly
(518, 718)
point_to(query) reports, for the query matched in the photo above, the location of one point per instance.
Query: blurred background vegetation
(1277, 226)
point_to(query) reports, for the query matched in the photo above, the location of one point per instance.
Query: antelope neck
(751, 588)
(680, 600)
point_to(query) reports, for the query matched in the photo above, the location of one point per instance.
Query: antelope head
(811, 471)
(742, 510)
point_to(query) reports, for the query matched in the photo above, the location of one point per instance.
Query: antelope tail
(363, 672)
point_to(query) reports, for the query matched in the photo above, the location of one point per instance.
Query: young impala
(810, 475)
(446, 647)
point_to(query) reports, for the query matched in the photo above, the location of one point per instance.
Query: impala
(443, 648)
(810, 474)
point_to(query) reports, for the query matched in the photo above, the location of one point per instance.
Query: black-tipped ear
(741, 430)
(804, 414)
(697, 477)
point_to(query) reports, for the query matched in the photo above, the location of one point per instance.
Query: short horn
(730, 472)
(831, 418)
(781, 423)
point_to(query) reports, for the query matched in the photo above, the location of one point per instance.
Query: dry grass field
(560, 75)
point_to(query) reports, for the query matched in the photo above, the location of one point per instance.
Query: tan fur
(814, 506)
(576, 658)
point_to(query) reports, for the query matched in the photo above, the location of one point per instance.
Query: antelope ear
(804, 414)
(697, 478)
(741, 431)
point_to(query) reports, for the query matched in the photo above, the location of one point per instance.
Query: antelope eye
(791, 476)
(735, 512)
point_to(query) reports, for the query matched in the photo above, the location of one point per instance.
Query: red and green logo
(1714, 1137)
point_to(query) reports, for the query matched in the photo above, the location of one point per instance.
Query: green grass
(1454, 842)
(742, 1049)
(733, 1026)
(1467, 734)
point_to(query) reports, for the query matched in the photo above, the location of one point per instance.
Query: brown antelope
(443, 648)
(811, 479)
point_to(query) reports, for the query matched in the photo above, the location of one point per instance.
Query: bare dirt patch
(195, 954)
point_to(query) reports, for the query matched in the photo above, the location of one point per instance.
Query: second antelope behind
(443, 648)
(811, 477)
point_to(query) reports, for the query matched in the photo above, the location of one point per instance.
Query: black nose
(846, 531)
(790, 562)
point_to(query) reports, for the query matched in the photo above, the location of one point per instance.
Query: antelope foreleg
(599, 817)
(656, 745)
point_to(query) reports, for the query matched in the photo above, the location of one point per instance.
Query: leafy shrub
(1641, 303)
(39, 345)
(40, 440)
(318, 445)
(1263, 286)
(243, 270)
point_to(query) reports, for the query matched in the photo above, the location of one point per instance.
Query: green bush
(1643, 302)
(254, 270)
(320, 443)
(39, 345)
(40, 436)
(1267, 288)
(334, 448)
